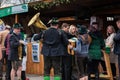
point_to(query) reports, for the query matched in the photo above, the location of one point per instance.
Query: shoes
(27, 78)
(46, 78)
(57, 78)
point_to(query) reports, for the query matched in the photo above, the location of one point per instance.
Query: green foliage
(43, 5)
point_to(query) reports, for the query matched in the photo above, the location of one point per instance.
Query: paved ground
(34, 77)
(30, 76)
(38, 77)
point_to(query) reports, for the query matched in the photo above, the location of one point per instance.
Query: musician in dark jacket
(15, 42)
(53, 48)
(117, 44)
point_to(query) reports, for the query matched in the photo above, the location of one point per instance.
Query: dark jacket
(117, 43)
(54, 42)
(69, 36)
(14, 44)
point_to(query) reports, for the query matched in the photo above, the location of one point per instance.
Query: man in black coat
(66, 58)
(14, 57)
(53, 48)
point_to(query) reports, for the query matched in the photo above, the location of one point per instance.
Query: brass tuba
(37, 22)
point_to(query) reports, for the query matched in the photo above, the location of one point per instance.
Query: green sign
(5, 12)
(14, 10)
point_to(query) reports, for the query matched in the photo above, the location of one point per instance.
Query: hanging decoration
(49, 3)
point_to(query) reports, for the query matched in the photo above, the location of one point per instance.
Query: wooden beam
(106, 11)
(67, 18)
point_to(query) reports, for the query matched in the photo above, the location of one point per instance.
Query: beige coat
(3, 35)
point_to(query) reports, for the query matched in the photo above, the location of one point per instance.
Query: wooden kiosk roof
(76, 11)
(82, 8)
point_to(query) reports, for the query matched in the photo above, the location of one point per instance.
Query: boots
(46, 77)
(57, 78)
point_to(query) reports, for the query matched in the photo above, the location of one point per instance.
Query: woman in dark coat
(95, 48)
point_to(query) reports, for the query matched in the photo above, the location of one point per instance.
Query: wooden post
(108, 67)
(16, 18)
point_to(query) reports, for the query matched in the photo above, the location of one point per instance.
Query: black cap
(17, 25)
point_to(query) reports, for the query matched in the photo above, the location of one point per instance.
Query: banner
(14, 10)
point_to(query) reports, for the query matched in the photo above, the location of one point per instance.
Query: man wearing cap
(14, 51)
(3, 35)
(53, 48)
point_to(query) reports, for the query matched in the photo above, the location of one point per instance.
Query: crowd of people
(11, 44)
(87, 56)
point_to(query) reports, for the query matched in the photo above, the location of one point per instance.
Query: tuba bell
(37, 22)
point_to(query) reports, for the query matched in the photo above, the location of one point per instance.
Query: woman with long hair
(110, 43)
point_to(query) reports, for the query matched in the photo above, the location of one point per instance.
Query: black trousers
(119, 65)
(66, 67)
(93, 66)
(8, 70)
(52, 61)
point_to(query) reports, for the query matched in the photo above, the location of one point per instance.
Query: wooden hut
(76, 12)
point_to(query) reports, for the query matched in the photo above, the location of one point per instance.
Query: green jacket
(96, 45)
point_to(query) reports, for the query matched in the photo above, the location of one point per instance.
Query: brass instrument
(37, 22)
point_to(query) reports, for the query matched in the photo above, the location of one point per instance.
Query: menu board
(35, 52)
